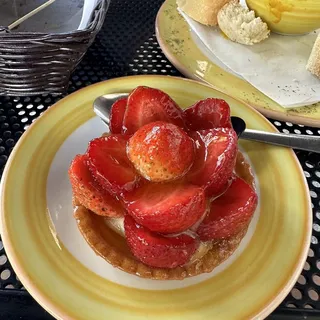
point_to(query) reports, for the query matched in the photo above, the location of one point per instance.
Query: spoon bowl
(102, 105)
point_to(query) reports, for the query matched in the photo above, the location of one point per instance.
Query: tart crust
(112, 247)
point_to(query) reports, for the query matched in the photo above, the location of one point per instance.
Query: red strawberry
(147, 105)
(88, 191)
(117, 114)
(166, 208)
(161, 151)
(158, 251)
(110, 165)
(230, 213)
(208, 114)
(215, 159)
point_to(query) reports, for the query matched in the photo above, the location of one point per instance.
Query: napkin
(276, 66)
(88, 8)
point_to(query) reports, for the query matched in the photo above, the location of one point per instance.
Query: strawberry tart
(166, 194)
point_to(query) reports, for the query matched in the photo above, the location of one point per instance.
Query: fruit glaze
(166, 194)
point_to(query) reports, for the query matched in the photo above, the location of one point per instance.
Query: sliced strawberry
(147, 105)
(161, 151)
(208, 114)
(110, 165)
(230, 213)
(88, 192)
(118, 110)
(166, 208)
(158, 251)
(215, 159)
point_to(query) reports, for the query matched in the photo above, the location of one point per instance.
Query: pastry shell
(111, 246)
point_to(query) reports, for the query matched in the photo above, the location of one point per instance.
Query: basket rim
(97, 20)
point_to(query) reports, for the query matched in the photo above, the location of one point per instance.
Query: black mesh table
(127, 45)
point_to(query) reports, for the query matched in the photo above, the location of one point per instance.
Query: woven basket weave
(36, 63)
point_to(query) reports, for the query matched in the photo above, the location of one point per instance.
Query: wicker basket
(36, 63)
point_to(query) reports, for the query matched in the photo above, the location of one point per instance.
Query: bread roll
(314, 60)
(203, 11)
(240, 25)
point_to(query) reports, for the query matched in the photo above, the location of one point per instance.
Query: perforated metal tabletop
(127, 45)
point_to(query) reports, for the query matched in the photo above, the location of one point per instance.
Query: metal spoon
(295, 141)
(102, 106)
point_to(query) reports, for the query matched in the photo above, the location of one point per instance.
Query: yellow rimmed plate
(63, 274)
(187, 53)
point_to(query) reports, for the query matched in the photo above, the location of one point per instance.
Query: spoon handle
(295, 141)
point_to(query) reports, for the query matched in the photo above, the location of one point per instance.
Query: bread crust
(313, 64)
(203, 11)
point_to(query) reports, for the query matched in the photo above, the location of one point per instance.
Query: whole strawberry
(161, 151)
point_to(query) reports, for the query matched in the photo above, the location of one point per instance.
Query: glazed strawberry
(110, 165)
(214, 160)
(158, 251)
(230, 213)
(147, 105)
(166, 208)
(117, 112)
(161, 151)
(88, 192)
(208, 114)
